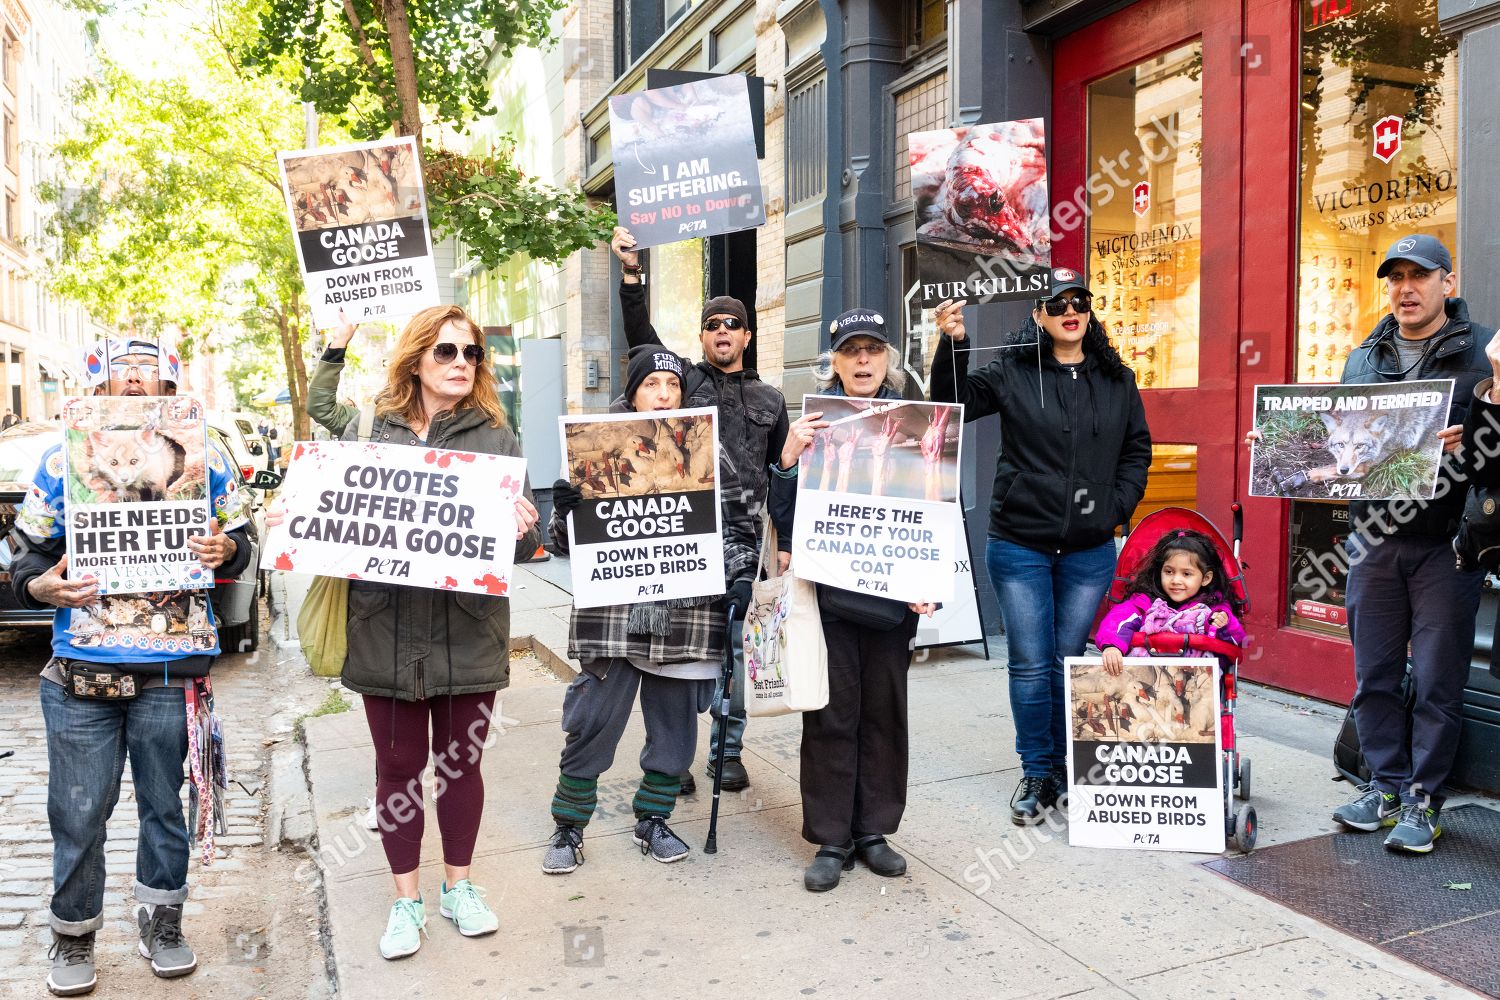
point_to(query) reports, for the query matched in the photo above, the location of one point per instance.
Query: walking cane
(726, 685)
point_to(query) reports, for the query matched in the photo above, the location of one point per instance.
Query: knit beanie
(645, 359)
(725, 305)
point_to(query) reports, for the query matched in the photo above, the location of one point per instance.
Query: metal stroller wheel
(1242, 787)
(1246, 829)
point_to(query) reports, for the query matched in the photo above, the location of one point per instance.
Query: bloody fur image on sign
(353, 187)
(984, 232)
(883, 448)
(1355, 442)
(1144, 704)
(130, 449)
(630, 458)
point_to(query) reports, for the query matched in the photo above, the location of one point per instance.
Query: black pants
(1406, 590)
(854, 750)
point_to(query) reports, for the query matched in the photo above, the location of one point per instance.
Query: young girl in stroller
(1178, 589)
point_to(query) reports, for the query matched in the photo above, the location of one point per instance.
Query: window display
(1318, 570)
(676, 272)
(1145, 136)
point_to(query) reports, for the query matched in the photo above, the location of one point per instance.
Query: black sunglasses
(728, 323)
(1082, 304)
(444, 354)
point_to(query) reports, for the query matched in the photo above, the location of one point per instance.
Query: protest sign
(877, 498)
(685, 163)
(958, 621)
(983, 227)
(388, 513)
(1144, 754)
(1349, 442)
(360, 222)
(648, 528)
(137, 489)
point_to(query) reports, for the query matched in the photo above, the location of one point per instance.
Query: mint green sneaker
(403, 931)
(465, 906)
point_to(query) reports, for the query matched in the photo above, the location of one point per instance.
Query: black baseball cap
(1065, 279)
(1424, 251)
(857, 323)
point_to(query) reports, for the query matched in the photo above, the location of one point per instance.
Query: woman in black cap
(854, 749)
(1074, 450)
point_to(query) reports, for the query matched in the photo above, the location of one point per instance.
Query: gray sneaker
(162, 941)
(565, 853)
(1417, 830)
(654, 837)
(72, 972)
(1371, 811)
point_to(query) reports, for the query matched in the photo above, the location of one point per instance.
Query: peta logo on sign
(1387, 138)
(1142, 203)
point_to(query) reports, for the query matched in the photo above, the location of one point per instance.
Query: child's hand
(1114, 663)
(1219, 620)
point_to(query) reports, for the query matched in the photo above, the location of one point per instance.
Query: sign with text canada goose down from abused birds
(359, 218)
(393, 513)
(685, 162)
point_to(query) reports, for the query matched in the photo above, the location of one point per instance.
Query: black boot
(1029, 801)
(689, 786)
(827, 866)
(879, 857)
(1057, 788)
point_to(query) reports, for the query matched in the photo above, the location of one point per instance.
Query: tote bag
(786, 659)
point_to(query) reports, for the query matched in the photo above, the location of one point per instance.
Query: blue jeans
(734, 729)
(87, 742)
(1048, 603)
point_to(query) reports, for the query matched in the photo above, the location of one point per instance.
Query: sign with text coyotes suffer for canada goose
(1349, 442)
(649, 527)
(685, 162)
(359, 219)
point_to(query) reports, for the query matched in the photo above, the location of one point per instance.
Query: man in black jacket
(150, 646)
(1403, 586)
(752, 430)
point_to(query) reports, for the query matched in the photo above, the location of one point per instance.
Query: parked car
(238, 427)
(234, 600)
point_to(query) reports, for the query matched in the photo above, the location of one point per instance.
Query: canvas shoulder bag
(786, 657)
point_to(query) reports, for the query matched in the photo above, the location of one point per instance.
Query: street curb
(290, 822)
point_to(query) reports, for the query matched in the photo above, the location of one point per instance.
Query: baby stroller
(1239, 824)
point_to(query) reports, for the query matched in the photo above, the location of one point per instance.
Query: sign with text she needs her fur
(137, 489)
(1349, 442)
(387, 513)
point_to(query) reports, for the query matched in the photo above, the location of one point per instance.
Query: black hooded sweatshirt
(1074, 446)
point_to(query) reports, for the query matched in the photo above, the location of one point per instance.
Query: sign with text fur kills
(648, 528)
(685, 162)
(1143, 754)
(1349, 442)
(137, 489)
(877, 498)
(984, 232)
(394, 513)
(359, 218)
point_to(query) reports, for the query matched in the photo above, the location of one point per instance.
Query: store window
(1379, 161)
(676, 275)
(1145, 143)
(920, 107)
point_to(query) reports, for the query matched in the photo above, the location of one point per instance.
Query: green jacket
(412, 643)
(323, 397)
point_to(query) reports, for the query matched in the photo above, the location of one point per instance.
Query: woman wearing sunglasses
(430, 661)
(1074, 450)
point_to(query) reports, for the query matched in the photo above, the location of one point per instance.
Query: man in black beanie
(752, 430)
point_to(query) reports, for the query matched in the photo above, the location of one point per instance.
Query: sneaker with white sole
(464, 905)
(1371, 811)
(404, 929)
(372, 818)
(72, 972)
(654, 837)
(1417, 831)
(162, 941)
(565, 852)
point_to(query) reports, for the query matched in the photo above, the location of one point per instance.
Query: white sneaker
(403, 931)
(372, 821)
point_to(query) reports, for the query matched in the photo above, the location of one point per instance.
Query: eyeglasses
(728, 323)
(855, 350)
(1081, 304)
(444, 354)
(123, 370)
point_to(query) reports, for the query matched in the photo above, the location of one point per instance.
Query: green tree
(378, 66)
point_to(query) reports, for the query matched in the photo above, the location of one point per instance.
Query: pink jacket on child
(1143, 613)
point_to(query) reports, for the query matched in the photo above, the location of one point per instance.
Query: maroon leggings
(399, 729)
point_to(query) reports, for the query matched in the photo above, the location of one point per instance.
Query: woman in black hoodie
(1074, 450)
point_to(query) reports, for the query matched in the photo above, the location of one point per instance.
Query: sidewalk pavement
(987, 909)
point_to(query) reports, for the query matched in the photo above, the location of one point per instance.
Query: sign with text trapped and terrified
(389, 513)
(984, 233)
(137, 489)
(685, 162)
(1143, 754)
(877, 498)
(649, 527)
(359, 218)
